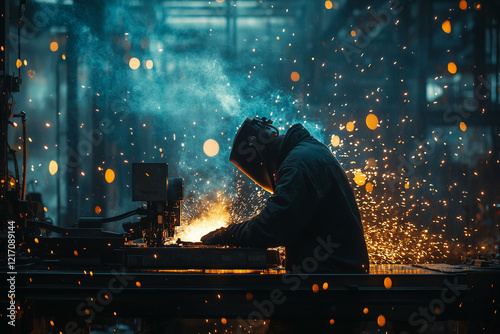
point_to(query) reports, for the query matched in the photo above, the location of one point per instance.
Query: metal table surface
(398, 292)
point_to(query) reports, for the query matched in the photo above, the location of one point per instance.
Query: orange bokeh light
(54, 46)
(359, 178)
(446, 26)
(463, 126)
(381, 320)
(372, 121)
(335, 141)
(452, 67)
(387, 283)
(109, 175)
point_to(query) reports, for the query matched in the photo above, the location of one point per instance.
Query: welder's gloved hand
(217, 237)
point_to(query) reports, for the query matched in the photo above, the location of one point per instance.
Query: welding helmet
(250, 152)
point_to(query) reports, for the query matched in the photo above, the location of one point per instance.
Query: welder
(312, 211)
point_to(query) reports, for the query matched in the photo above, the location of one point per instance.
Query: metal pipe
(25, 156)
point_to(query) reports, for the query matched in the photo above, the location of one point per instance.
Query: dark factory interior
(124, 207)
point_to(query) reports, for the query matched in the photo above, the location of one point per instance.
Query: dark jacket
(312, 212)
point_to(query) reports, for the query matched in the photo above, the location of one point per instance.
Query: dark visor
(249, 151)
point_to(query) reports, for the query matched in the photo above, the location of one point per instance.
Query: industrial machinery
(163, 197)
(147, 242)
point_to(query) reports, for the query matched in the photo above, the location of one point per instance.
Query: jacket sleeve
(287, 212)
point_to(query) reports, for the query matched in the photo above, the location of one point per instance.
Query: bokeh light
(54, 46)
(349, 126)
(134, 63)
(211, 148)
(109, 175)
(53, 167)
(335, 141)
(369, 187)
(452, 68)
(328, 4)
(372, 121)
(295, 76)
(359, 178)
(463, 126)
(149, 64)
(463, 5)
(446, 26)
(387, 283)
(381, 320)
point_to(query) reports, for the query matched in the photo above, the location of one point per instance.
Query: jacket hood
(293, 136)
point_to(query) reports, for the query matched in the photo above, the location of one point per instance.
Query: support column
(4, 107)
(73, 162)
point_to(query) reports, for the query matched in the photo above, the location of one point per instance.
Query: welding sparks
(399, 190)
(215, 215)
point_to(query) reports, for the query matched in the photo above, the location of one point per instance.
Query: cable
(123, 215)
(275, 128)
(116, 218)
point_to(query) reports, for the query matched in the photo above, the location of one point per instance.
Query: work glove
(217, 237)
